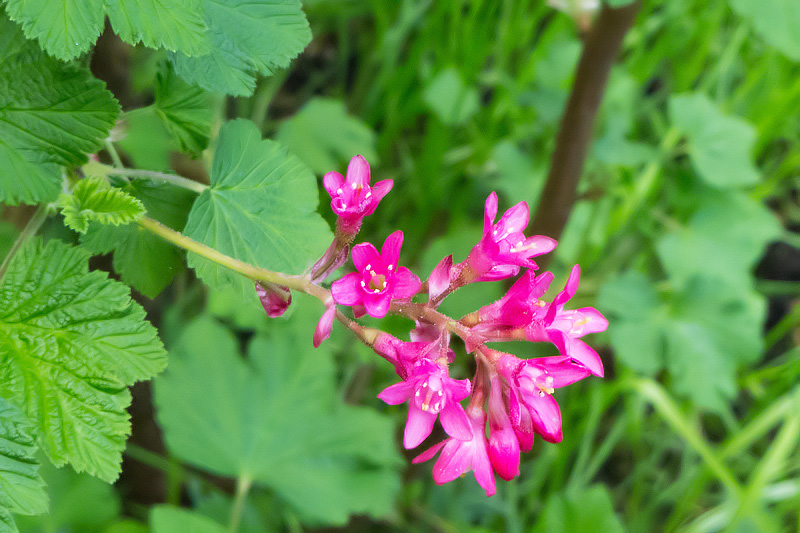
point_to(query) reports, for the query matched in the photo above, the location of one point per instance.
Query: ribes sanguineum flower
(504, 249)
(531, 383)
(460, 456)
(274, 298)
(503, 442)
(518, 308)
(352, 198)
(379, 278)
(431, 392)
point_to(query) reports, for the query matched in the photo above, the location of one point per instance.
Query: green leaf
(50, 114)
(246, 38)
(93, 199)
(177, 25)
(67, 29)
(452, 101)
(260, 208)
(235, 416)
(168, 519)
(724, 238)
(71, 342)
(142, 259)
(147, 140)
(776, 21)
(325, 137)
(21, 487)
(186, 110)
(589, 509)
(720, 146)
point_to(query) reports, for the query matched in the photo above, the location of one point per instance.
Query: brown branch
(600, 49)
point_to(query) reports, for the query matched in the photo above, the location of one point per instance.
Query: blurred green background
(685, 228)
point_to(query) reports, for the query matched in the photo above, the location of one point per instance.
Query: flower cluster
(510, 400)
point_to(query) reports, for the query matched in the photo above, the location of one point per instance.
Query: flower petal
(333, 181)
(439, 279)
(592, 321)
(546, 417)
(569, 289)
(455, 460)
(561, 369)
(515, 219)
(418, 426)
(376, 305)
(405, 283)
(489, 212)
(458, 388)
(455, 422)
(347, 290)
(391, 249)
(397, 393)
(358, 172)
(364, 255)
(429, 453)
(324, 326)
(482, 467)
(379, 190)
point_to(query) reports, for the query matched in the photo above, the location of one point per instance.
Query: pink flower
(431, 393)
(531, 384)
(379, 279)
(460, 456)
(325, 325)
(352, 198)
(518, 308)
(565, 327)
(274, 298)
(503, 443)
(503, 249)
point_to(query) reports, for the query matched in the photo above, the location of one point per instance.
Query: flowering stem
(178, 181)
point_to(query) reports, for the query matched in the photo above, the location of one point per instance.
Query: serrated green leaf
(50, 114)
(93, 199)
(723, 239)
(246, 38)
(776, 21)
(70, 342)
(67, 29)
(234, 417)
(720, 146)
(324, 136)
(169, 519)
(452, 101)
(185, 110)
(177, 25)
(21, 487)
(260, 208)
(144, 260)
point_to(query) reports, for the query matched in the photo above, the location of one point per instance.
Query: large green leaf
(21, 486)
(777, 21)
(92, 199)
(720, 146)
(260, 208)
(276, 419)
(144, 260)
(50, 114)
(324, 136)
(169, 519)
(246, 38)
(67, 29)
(71, 341)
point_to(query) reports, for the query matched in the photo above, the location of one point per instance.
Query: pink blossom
(503, 249)
(460, 456)
(431, 393)
(503, 443)
(325, 325)
(274, 298)
(518, 308)
(352, 198)
(379, 278)
(531, 384)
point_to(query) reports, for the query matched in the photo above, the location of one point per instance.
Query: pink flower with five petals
(352, 198)
(379, 278)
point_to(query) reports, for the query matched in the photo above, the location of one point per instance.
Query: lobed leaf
(168, 519)
(776, 21)
(93, 199)
(71, 341)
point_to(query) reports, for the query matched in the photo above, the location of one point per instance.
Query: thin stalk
(178, 181)
(28, 231)
(243, 485)
(112, 151)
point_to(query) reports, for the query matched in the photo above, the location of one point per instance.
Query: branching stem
(178, 181)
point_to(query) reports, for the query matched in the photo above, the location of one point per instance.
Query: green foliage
(21, 486)
(246, 38)
(720, 146)
(325, 137)
(776, 21)
(50, 114)
(93, 199)
(168, 519)
(260, 208)
(142, 259)
(452, 101)
(589, 509)
(234, 417)
(72, 341)
(68, 28)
